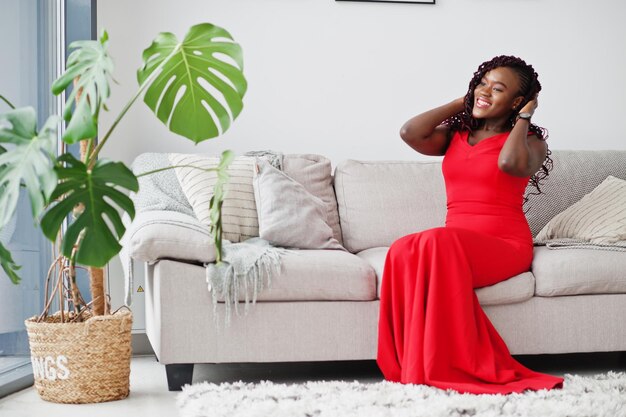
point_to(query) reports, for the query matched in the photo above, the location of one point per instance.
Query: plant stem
(7, 101)
(86, 146)
(94, 155)
(72, 274)
(175, 166)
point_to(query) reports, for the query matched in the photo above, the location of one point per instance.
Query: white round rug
(590, 396)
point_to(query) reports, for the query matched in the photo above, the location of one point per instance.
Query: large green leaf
(91, 66)
(178, 96)
(28, 160)
(8, 265)
(99, 224)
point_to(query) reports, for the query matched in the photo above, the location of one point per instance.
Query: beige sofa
(324, 304)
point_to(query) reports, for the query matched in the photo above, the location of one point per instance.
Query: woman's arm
(426, 134)
(522, 155)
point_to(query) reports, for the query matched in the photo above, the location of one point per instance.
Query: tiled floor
(149, 395)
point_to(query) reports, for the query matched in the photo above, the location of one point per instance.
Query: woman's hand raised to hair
(530, 107)
(522, 154)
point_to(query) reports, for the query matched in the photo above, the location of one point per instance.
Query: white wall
(340, 78)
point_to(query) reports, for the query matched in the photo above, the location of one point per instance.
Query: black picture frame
(395, 1)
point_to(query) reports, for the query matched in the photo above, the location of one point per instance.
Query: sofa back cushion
(382, 201)
(575, 173)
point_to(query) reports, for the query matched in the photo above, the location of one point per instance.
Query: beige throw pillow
(289, 215)
(598, 218)
(314, 172)
(239, 215)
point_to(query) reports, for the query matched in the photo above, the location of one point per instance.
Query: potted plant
(82, 352)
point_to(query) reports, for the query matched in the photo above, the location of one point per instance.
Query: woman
(432, 329)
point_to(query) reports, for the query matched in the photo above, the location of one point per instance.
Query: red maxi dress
(432, 329)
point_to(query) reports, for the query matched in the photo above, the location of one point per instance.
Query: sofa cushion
(314, 172)
(513, 290)
(318, 275)
(380, 202)
(168, 234)
(376, 258)
(578, 271)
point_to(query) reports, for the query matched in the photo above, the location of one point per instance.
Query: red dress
(432, 329)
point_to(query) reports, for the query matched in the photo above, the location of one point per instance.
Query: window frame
(61, 22)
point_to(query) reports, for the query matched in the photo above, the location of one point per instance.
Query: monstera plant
(175, 80)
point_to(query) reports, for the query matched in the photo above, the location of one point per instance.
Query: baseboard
(16, 380)
(141, 345)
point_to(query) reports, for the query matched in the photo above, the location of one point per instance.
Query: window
(36, 34)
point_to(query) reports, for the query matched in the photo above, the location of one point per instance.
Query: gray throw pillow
(289, 215)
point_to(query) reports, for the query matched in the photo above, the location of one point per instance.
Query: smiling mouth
(482, 104)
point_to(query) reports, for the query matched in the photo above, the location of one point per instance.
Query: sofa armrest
(155, 235)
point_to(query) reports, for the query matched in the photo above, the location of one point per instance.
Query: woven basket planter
(85, 362)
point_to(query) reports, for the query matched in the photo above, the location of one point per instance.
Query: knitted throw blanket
(246, 269)
(566, 243)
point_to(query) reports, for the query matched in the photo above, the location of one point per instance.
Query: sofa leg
(178, 374)
(622, 359)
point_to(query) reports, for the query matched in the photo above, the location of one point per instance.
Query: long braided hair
(529, 88)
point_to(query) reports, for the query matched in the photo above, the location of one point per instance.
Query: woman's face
(497, 94)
